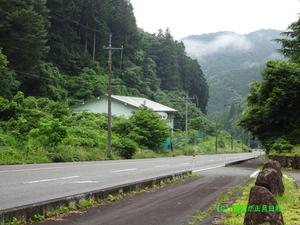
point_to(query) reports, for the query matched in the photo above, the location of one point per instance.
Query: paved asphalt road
(171, 205)
(25, 184)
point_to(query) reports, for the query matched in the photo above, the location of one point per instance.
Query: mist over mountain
(232, 61)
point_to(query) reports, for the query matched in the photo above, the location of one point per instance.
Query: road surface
(171, 205)
(26, 184)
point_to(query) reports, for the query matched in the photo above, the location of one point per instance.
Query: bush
(282, 145)
(149, 129)
(221, 143)
(125, 147)
(49, 132)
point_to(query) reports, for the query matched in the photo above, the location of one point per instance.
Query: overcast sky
(187, 17)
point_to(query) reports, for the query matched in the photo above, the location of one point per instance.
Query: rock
(262, 208)
(270, 179)
(283, 160)
(295, 163)
(273, 164)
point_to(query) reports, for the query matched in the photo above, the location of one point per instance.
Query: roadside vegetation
(290, 152)
(289, 203)
(37, 130)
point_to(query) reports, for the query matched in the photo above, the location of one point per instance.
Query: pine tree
(8, 85)
(23, 32)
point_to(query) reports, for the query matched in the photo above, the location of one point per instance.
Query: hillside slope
(232, 61)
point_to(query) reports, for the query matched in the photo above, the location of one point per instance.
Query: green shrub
(282, 145)
(82, 137)
(125, 147)
(149, 129)
(7, 139)
(221, 142)
(49, 132)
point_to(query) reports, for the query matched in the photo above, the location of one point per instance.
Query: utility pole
(216, 144)
(187, 116)
(109, 92)
(231, 139)
(86, 42)
(94, 46)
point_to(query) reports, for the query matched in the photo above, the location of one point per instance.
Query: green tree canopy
(8, 83)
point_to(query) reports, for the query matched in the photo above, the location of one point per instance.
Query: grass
(294, 152)
(289, 202)
(90, 202)
(207, 146)
(222, 198)
(23, 155)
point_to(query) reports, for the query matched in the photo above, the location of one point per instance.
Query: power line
(75, 22)
(38, 77)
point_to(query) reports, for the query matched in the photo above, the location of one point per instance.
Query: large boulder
(273, 164)
(262, 208)
(283, 160)
(270, 179)
(295, 162)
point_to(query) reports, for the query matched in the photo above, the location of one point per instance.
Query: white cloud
(198, 49)
(186, 17)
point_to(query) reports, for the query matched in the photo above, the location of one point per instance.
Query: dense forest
(54, 49)
(52, 57)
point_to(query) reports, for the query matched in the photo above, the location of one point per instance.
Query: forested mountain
(232, 61)
(272, 112)
(54, 49)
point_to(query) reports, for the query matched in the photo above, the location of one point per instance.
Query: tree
(87, 85)
(23, 32)
(149, 129)
(51, 83)
(8, 85)
(167, 64)
(290, 45)
(273, 104)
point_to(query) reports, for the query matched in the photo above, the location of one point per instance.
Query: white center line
(185, 164)
(209, 168)
(127, 170)
(159, 166)
(84, 182)
(47, 180)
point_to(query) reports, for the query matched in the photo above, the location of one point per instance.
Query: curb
(28, 211)
(239, 161)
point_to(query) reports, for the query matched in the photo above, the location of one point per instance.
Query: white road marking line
(64, 167)
(159, 166)
(127, 170)
(47, 180)
(84, 182)
(253, 175)
(185, 164)
(209, 168)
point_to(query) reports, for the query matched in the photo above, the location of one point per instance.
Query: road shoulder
(170, 205)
